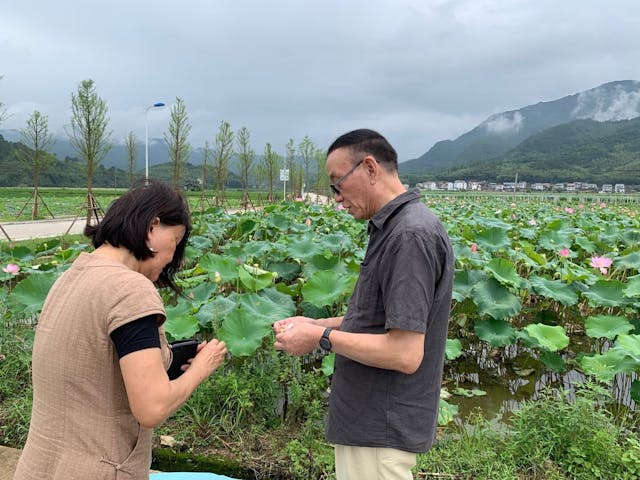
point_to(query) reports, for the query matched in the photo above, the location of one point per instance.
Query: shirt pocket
(368, 296)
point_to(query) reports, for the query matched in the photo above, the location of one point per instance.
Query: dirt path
(40, 228)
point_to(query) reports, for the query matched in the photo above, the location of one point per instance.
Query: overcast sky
(418, 71)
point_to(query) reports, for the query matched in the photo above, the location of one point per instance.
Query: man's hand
(297, 335)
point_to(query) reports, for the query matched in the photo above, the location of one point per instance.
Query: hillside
(504, 131)
(582, 150)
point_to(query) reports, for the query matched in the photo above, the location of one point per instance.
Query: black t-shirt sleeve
(136, 335)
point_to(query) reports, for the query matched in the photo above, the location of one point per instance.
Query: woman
(100, 354)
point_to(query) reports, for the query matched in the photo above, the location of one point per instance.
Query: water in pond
(511, 375)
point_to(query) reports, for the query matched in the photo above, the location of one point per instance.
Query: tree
(245, 157)
(290, 148)
(3, 110)
(306, 149)
(271, 162)
(88, 135)
(130, 143)
(206, 155)
(177, 139)
(36, 136)
(322, 179)
(222, 158)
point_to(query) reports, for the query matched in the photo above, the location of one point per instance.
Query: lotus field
(528, 273)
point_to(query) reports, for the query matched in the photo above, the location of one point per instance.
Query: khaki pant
(368, 463)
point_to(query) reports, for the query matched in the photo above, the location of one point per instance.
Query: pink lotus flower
(11, 268)
(602, 204)
(474, 248)
(340, 207)
(569, 210)
(565, 252)
(602, 263)
(533, 222)
(307, 222)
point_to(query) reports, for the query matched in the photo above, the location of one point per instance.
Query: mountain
(502, 132)
(581, 150)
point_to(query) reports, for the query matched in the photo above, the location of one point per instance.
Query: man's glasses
(334, 186)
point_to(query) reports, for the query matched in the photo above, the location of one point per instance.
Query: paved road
(40, 228)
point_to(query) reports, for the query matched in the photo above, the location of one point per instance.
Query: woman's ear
(154, 223)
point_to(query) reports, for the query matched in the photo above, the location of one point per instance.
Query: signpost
(284, 176)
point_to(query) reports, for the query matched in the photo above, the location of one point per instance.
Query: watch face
(325, 344)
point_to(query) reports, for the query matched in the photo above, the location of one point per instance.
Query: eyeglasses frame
(335, 185)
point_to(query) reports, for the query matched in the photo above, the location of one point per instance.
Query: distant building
(460, 185)
(618, 188)
(427, 185)
(475, 186)
(607, 188)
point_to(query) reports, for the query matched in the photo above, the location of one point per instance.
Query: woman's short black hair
(129, 218)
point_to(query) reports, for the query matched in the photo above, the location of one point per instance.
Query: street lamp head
(159, 104)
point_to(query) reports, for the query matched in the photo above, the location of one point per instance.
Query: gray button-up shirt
(405, 283)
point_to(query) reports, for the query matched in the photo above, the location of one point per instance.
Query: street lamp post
(146, 139)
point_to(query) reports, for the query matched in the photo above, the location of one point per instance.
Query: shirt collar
(381, 216)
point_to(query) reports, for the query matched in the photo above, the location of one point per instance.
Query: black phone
(181, 351)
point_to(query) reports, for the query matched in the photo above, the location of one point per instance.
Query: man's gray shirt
(405, 283)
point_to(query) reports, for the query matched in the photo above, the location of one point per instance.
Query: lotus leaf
(497, 333)
(607, 326)
(495, 300)
(550, 337)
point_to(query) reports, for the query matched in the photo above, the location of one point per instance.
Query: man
(390, 344)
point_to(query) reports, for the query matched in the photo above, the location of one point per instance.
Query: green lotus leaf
(322, 262)
(608, 365)
(463, 392)
(631, 237)
(200, 243)
(338, 242)
(243, 332)
(538, 258)
(48, 247)
(497, 333)
(255, 280)
(553, 361)
(453, 348)
(554, 240)
(493, 238)
(285, 270)
(181, 324)
(570, 272)
(304, 248)
(267, 305)
(22, 252)
(607, 326)
(464, 281)
(587, 245)
(446, 412)
(504, 271)
(226, 267)
(632, 290)
(554, 289)
(327, 364)
(246, 226)
(29, 294)
(279, 221)
(631, 345)
(201, 292)
(630, 261)
(550, 337)
(327, 287)
(256, 249)
(212, 313)
(495, 300)
(606, 293)
(635, 391)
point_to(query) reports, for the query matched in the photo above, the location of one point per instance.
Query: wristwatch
(325, 343)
